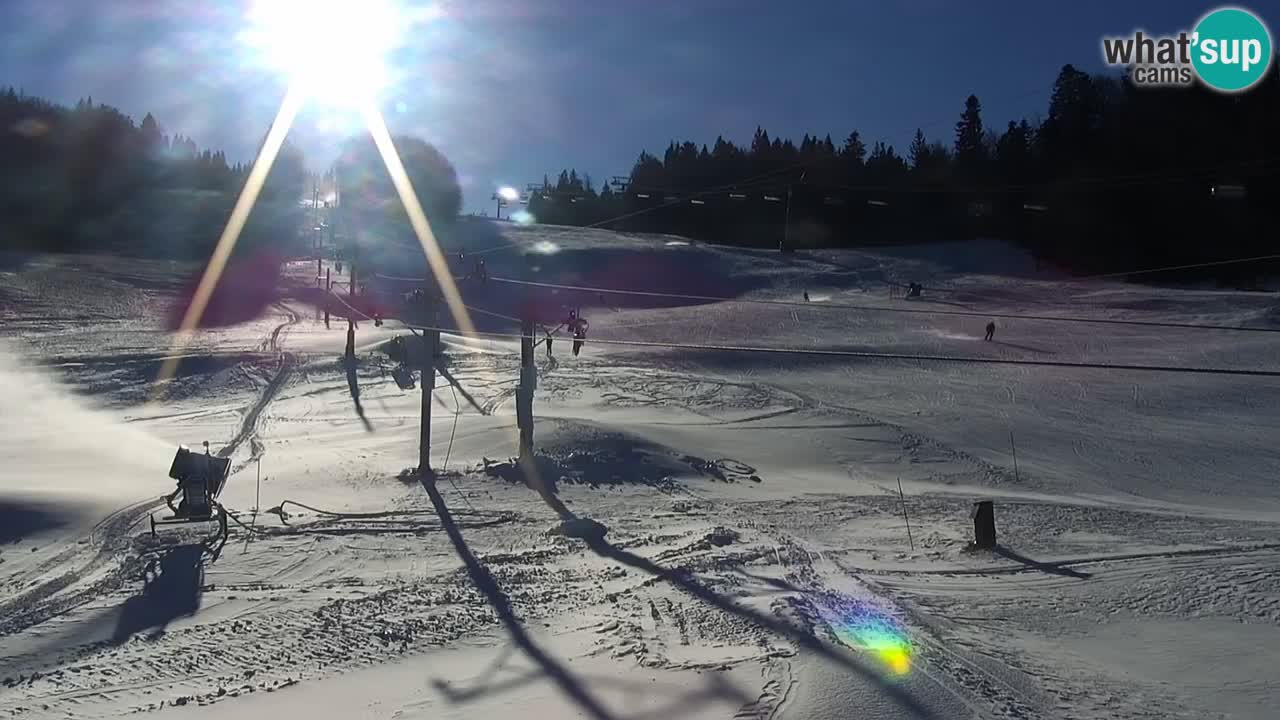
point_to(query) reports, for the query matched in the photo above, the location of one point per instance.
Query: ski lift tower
(785, 246)
(504, 196)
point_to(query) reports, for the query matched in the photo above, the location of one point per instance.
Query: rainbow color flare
(867, 627)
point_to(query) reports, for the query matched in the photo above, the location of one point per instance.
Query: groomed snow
(756, 563)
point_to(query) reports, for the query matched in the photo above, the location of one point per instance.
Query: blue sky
(512, 90)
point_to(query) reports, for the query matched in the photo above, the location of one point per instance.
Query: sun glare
(332, 51)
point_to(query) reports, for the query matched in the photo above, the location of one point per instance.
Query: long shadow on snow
(659, 270)
(567, 683)
(716, 688)
(1028, 348)
(1050, 568)
(172, 592)
(683, 580)
(124, 379)
(570, 685)
(809, 642)
(18, 519)
(616, 458)
(353, 387)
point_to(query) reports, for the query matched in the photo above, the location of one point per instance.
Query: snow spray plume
(51, 440)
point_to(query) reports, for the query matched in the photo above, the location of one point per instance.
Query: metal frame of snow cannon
(201, 479)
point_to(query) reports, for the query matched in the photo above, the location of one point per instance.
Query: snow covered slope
(757, 562)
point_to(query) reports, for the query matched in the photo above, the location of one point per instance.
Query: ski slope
(757, 563)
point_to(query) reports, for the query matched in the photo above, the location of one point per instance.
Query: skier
(991, 330)
(579, 328)
(806, 296)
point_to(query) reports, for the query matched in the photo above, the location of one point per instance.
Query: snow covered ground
(756, 564)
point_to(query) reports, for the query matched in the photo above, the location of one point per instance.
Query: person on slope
(578, 326)
(991, 331)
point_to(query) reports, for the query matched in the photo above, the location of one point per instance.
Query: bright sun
(333, 51)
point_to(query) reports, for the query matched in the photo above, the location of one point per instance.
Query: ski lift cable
(870, 355)
(457, 410)
(1169, 268)
(1151, 177)
(708, 191)
(348, 305)
(399, 278)
(1128, 273)
(457, 405)
(490, 313)
(1154, 177)
(872, 308)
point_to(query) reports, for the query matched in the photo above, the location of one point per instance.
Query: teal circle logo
(1231, 49)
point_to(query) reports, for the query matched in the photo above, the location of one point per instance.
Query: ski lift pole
(524, 393)
(430, 339)
(786, 223)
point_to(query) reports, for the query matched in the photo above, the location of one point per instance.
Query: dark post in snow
(430, 340)
(786, 224)
(524, 393)
(1014, 448)
(984, 524)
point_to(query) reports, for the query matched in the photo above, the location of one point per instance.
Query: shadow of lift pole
(593, 534)
(502, 606)
(594, 538)
(685, 582)
(478, 572)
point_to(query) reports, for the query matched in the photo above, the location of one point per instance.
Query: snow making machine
(200, 481)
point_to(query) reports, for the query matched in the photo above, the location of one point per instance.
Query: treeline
(1112, 177)
(88, 178)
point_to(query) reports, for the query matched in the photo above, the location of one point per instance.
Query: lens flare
(522, 217)
(230, 235)
(333, 51)
(418, 219)
(870, 628)
(509, 194)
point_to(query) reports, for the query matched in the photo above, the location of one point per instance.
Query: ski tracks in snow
(99, 563)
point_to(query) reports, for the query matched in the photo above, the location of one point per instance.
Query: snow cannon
(201, 478)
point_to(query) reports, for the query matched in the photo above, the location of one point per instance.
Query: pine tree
(151, 137)
(918, 153)
(855, 151)
(970, 151)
